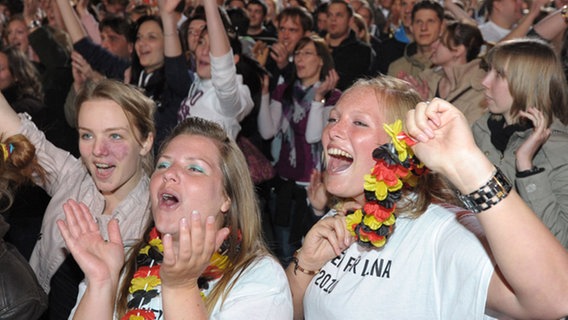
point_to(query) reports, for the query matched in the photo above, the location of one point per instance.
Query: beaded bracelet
(297, 265)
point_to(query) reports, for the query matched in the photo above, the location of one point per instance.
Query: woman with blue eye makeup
(202, 255)
(116, 131)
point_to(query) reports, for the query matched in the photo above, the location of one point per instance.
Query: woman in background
(295, 115)
(524, 131)
(458, 75)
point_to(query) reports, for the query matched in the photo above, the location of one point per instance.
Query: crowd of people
(283, 159)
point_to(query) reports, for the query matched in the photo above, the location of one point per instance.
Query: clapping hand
(100, 260)
(327, 85)
(185, 260)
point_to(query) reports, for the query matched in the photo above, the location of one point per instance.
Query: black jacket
(353, 60)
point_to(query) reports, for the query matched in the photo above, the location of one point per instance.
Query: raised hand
(325, 240)
(538, 137)
(327, 85)
(279, 53)
(317, 194)
(168, 6)
(100, 260)
(446, 144)
(419, 85)
(260, 51)
(82, 68)
(186, 260)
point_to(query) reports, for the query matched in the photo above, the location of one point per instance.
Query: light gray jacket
(545, 192)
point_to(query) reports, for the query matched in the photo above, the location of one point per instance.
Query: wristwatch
(490, 194)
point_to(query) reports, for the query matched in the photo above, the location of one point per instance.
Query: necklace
(395, 168)
(145, 286)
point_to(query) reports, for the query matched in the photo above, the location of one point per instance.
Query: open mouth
(169, 199)
(103, 169)
(338, 160)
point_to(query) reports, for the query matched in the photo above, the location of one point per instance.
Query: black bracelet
(530, 172)
(490, 194)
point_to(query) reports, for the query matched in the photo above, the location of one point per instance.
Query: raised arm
(218, 40)
(172, 44)
(552, 25)
(72, 23)
(9, 121)
(526, 22)
(531, 280)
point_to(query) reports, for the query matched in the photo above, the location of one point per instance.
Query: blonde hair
(535, 77)
(397, 98)
(245, 241)
(138, 108)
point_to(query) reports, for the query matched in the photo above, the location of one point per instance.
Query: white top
(223, 98)
(492, 32)
(432, 267)
(261, 292)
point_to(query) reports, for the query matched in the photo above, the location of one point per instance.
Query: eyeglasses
(300, 53)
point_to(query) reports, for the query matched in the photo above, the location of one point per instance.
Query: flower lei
(145, 284)
(395, 167)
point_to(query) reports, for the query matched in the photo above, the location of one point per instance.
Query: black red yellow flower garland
(396, 167)
(145, 283)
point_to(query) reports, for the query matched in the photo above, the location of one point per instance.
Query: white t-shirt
(261, 292)
(492, 32)
(431, 268)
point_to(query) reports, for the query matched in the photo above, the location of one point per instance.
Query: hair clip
(7, 150)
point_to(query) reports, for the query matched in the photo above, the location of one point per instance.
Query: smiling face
(354, 130)
(18, 35)
(187, 172)
(308, 64)
(149, 46)
(109, 148)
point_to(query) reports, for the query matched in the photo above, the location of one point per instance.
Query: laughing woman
(407, 243)
(202, 259)
(111, 176)
(296, 116)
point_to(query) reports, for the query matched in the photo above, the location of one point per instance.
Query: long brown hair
(243, 218)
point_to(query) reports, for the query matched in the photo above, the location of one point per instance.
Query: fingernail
(183, 221)
(210, 219)
(429, 132)
(195, 215)
(421, 138)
